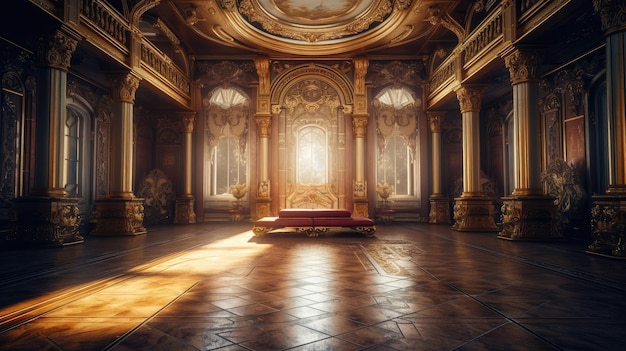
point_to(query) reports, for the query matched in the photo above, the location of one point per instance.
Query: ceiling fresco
(307, 28)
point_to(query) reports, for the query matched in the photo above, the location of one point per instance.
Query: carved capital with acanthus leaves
(56, 50)
(359, 125)
(124, 86)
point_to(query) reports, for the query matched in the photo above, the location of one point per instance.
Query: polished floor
(217, 286)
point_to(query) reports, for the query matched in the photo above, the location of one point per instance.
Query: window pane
(312, 156)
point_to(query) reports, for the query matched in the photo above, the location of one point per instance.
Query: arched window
(226, 130)
(396, 128)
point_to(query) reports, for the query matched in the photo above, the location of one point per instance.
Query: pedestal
(608, 225)
(184, 211)
(529, 218)
(439, 210)
(474, 214)
(119, 217)
(44, 221)
(262, 207)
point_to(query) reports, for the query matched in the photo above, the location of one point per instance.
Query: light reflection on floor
(211, 286)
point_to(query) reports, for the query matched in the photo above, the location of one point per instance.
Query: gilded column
(360, 205)
(608, 214)
(263, 123)
(184, 211)
(439, 202)
(121, 213)
(527, 214)
(48, 217)
(473, 211)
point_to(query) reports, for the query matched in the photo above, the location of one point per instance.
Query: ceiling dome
(314, 20)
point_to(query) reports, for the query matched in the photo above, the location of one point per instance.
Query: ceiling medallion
(314, 20)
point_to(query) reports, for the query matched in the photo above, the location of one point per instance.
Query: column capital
(124, 86)
(435, 120)
(189, 120)
(612, 14)
(263, 124)
(359, 124)
(56, 50)
(470, 98)
(523, 64)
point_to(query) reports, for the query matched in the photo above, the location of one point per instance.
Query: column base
(608, 225)
(474, 214)
(439, 210)
(360, 208)
(263, 207)
(119, 217)
(184, 211)
(529, 218)
(46, 221)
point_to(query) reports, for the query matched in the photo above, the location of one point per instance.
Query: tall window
(396, 126)
(229, 166)
(312, 155)
(73, 157)
(226, 130)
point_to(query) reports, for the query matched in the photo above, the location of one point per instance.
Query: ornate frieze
(397, 72)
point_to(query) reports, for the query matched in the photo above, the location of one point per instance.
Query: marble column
(473, 211)
(527, 214)
(360, 206)
(264, 113)
(439, 202)
(47, 216)
(120, 212)
(184, 210)
(608, 213)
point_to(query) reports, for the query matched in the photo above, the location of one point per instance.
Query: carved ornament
(57, 50)
(123, 87)
(612, 14)
(523, 65)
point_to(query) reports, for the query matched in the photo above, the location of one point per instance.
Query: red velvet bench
(314, 221)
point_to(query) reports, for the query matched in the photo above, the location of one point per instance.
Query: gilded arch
(280, 86)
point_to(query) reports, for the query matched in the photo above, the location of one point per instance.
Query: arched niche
(314, 100)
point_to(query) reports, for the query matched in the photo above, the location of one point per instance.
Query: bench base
(314, 222)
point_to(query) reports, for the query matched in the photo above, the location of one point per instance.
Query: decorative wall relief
(158, 194)
(562, 182)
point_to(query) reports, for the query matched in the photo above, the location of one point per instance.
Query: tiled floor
(216, 286)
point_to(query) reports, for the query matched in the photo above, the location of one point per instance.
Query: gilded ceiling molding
(377, 11)
(140, 8)
(166, 31)
(436, 17)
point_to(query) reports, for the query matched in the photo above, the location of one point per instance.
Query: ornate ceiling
(309, 28)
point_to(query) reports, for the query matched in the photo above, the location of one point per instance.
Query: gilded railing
(442, 74)
(484, 36)
(106, 19)
(164, 67)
